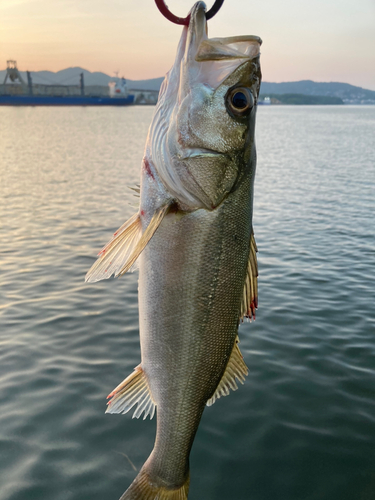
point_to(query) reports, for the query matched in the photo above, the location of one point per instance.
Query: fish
(192, 238)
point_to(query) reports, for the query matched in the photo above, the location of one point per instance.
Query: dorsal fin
(250, 292)
(236, 369)
(121, 252)
(133, 390)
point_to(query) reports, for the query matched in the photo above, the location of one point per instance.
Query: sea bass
(194, 243)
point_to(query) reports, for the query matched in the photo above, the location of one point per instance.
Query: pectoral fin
(133, 390)
(250, 292)
(118, 256)
(236, 369)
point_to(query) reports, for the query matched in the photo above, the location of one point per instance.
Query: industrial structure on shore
(15, 91)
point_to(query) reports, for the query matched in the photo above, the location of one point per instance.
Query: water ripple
(302, 426)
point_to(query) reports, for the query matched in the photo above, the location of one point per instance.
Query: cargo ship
(16, 92)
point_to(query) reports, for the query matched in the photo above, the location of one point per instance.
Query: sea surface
(303, 425)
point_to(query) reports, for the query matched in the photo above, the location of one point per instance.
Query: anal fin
(133, 390)
(236, 369)
(250, 293)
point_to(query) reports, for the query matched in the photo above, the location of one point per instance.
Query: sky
(320, 40)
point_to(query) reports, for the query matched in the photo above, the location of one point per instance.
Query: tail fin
(143, 488)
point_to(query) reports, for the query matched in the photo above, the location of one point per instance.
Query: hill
(70, 76)
(303, 99)
(349, 94)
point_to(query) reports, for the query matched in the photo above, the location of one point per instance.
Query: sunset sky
(321, 40)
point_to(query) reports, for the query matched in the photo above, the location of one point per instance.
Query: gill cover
(196, 141)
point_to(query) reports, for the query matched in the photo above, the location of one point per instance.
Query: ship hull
(38, 100)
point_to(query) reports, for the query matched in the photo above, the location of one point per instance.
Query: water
(303, 425)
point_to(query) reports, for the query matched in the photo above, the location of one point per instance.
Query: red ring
(185, 20)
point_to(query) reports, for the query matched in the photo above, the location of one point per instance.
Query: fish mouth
(198, 21)
(201, 153)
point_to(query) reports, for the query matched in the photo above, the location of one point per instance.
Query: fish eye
(240, 101)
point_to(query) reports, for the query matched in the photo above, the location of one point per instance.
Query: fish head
(202, 135)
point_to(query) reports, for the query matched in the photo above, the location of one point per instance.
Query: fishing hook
(185, 20)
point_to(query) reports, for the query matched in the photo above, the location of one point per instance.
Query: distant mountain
(303, 99)
(348, 93)
(70, 76)
(152, 84)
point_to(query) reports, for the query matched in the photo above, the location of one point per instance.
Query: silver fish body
(193, 236)
(189, 314)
